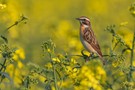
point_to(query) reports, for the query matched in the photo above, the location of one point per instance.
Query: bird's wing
(91, 39)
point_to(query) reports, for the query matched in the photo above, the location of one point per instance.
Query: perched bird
(88, 38)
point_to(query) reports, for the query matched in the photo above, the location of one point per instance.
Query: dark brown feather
(89, 36)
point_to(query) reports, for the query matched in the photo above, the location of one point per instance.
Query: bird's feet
(90, 57)
(86, 57)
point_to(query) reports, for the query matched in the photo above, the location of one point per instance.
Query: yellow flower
(20, 65)
(127, 35)
(48, 50)
(42, 79)
(123, 23)
(115, 63)
(53, 88)
(100, 71)
(17, 76)
(21, 53)
(2, 6)
(66, 83)
(15, 57)
(81, 88)
(133, 12)
(134, 63)
(88, 77)
(68, 69)
(10, 69)
(56, 59)
(48, 65)
(73, 61)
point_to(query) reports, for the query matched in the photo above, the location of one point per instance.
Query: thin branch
(116, 44)
(54, 71)
(3, 65)
(93, 57)
(16, 23)
(131, 59)
(54, 75)
(7, 29)
(124, 50)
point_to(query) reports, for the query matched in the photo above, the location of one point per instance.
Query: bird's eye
(83, 19)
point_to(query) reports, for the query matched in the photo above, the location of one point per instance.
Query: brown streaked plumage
(88, 38)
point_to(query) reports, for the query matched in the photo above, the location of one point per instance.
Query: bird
(88, 38)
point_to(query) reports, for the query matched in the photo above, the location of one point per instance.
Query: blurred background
(56, 20)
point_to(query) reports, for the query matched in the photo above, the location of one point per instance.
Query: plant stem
(3, 65)
(17, 22)
(131, 59)
(94, 57)
(116, 45)
(54, 74)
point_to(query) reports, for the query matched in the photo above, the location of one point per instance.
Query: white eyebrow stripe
(85, 18)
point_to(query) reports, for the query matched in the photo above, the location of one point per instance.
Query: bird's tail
(102, 59)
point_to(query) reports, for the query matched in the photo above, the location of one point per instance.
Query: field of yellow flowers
(40, 47)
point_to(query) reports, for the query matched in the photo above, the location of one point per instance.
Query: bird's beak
(77, 18)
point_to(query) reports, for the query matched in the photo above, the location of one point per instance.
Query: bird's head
(84, 20)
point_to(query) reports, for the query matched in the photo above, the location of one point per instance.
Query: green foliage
(69, 69)
(6, 56)
(132, 9)
(62, 72)
(119, 61)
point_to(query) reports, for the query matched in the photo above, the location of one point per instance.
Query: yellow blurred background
(55, 19)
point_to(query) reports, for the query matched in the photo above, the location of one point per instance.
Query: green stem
(17, 22)
(54, 74)
(131, 60)
(3, 65)
(55, 79)
(116, 45)
(1, 69)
